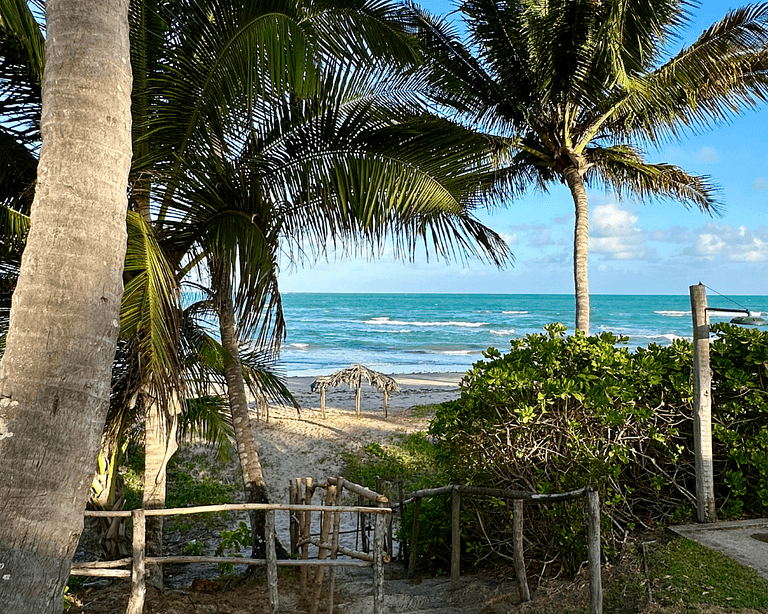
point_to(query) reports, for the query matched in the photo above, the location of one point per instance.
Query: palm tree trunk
(580, 247)
(56, 371)
(159, 446)
(253, 477)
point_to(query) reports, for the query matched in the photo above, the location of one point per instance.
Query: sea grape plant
(559, 411)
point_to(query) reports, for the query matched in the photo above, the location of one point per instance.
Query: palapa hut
(354, 376)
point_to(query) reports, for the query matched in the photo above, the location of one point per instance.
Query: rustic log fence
(300, 510)
(518, 497)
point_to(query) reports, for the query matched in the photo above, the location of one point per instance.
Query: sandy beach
(303, 444)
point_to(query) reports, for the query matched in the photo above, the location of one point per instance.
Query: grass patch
(684, 570)
(193, 481)
(424, 411)
(411, 459)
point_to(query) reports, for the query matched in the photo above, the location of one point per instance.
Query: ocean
(412, 333)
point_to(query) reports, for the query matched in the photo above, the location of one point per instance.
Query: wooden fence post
(306, 529)
(593, 549)
(294, 497)
(403, 553)
(519, 559)
(414, 537)
(379, 528)
(138, 575)
(702, 407)
(335, 542)
(269, 528)
(455, 537)
(325, 529)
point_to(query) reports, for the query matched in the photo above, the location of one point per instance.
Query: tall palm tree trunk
(580, 247)
(253, 477)
(56, 371)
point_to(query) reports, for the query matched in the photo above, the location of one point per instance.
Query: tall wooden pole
(593, 551)
(702, 406)
(455, 537)
(138, 568)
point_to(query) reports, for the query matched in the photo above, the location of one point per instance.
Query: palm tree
(55, 373)
(577, 88)
(351, 161)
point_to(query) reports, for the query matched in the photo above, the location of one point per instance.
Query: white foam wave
(514, 313)
(673, 314)
(671, 337)
(388, 322)
(503, 332)
(298, 346)
(458, 352)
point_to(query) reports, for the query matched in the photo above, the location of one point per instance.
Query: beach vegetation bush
(559, 412)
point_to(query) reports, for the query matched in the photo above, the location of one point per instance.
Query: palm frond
(623, 169)
(18, 19)
(149, 312)
(719, 76)
(207, 418)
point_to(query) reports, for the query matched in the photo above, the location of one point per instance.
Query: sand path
(303, 444)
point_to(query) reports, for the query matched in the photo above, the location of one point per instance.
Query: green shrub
(560, 412)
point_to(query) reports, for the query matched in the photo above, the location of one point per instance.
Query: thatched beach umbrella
(354, 376)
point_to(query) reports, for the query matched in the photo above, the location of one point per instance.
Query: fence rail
(135, 567)
(455, 491)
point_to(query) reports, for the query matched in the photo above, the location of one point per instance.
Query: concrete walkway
(745, 541)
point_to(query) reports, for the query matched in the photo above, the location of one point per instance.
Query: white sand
(298, 445)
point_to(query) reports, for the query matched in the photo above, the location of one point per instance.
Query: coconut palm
(350, 162)
(219, 127)
(578, 88)
(55, 372)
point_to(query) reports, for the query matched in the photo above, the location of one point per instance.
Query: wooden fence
(593, 531)
(300, 515)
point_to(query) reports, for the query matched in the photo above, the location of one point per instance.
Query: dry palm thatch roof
(354, 376)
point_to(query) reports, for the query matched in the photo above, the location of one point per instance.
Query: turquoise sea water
(402, 333)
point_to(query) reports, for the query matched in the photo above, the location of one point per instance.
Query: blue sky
(635, 247)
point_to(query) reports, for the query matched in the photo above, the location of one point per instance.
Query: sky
(654, 247)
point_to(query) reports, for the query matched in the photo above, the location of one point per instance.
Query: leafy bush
(559, 412)
(411, 462)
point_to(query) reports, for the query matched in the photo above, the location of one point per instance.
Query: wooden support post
(325, 529)
(388, 540)
(702, 407)
(414, 538)
(379, 527)
(322, 402)
(519, 559)
(455, 537)
(271, 560)
(403, 554)
(362, 519)
(306, 529)
(294, 497)
(593, 550)
(358, 397)
(138, 572)
(386, 401)
(335, 543)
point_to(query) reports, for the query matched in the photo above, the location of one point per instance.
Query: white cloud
(760, 184)
(536, 235)
(614, 233)
(730, 243)
(509, 239)
(708, 154)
